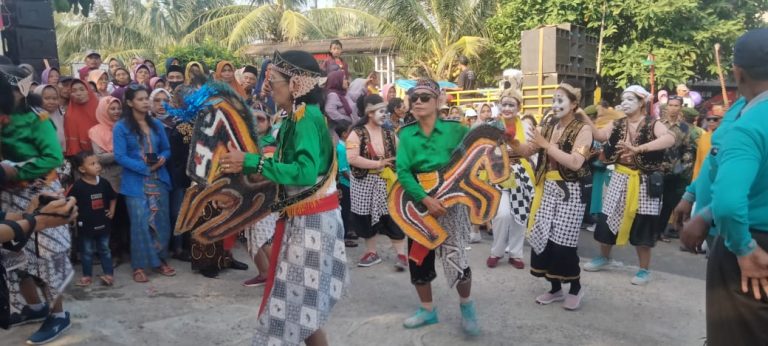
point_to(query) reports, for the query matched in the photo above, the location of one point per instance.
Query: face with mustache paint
(379, 116)
(509, 107)
(630, 103)
(561, 104)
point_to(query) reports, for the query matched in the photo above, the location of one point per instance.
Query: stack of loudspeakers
(29, 35)
(568, 52)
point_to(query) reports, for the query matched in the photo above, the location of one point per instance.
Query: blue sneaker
(642, 277)
(421, 318)
(597, 264)
(469, 319)
(28, 315)
(51, 329)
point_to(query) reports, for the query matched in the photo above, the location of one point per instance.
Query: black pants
(346, 209)
(733, 318)
(674, 188)
(425, 273)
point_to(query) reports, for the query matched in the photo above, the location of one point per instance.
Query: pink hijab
(101, 134)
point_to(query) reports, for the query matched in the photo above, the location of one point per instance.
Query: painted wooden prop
(456, 183)
(222, 118)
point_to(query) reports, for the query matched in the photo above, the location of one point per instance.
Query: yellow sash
(631, 203)
(511, 183)
(389, 176)
(536, 204)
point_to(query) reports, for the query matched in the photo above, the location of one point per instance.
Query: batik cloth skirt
(260, 233)
(150, 225)
(310, 277)
(370, 215)
(46, 255)
(452, 252)
(643, 226)
(554, 236)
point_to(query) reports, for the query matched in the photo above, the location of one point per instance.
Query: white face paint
(379, 116)
(509, 107)
(630, 103)
(561, 104)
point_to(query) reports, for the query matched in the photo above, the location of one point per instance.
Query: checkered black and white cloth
(557, 219)
(310, 278)
(369, 196)
(521, 196)
(616, 196)
(260, 233)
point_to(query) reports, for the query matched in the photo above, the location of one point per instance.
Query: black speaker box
(36, 14)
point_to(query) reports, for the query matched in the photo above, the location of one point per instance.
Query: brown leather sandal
(139, 276)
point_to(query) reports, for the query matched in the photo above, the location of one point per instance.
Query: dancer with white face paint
(371, 151)
(510, 222)
(632, 203)
(558, 207)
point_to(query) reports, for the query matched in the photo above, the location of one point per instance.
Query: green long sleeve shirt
(30, 141)
(304, 151)
(740, 190)
(419, 153)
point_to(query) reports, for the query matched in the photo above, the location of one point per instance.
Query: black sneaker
(52, 328)
(28, 315)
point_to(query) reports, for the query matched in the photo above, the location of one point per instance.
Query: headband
(301, 80)
(572, 90)
(375, 107)
(23, 84)
(426, 85)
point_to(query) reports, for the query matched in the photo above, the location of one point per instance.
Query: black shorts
(642, 233)
(361, 224)
(425, 273)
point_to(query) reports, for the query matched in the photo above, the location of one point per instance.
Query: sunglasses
(422, 97)
(713, 119)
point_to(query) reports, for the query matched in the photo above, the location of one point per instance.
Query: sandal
(85, 281)
(139, 276)
(166, 270)
(107, 280)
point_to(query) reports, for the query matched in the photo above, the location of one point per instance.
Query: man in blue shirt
(737, 272)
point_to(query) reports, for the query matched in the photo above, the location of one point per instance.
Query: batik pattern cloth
(559, 216)
(521, 196)
(311, 276)
(45, 256)
(369, 196)
(260, 233)
(453, 251)
(615, 200)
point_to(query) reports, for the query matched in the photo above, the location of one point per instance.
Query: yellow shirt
(703, 146)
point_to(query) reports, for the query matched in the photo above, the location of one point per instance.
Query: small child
(96, 206)
(342, 130)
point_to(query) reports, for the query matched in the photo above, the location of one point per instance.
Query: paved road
(191, 310)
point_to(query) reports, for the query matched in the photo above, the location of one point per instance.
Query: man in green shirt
(426, 146)
(737, 270)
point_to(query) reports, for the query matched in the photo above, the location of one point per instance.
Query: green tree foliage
(207, 52)
(681, 34)
(432, 34)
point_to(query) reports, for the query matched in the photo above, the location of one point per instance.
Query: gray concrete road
(191, 310)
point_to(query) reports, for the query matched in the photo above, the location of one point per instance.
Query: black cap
(175, 68)
(251, 69)
(751, 49)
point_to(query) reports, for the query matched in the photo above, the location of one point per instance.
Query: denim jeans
(149, 245)
(101, 243)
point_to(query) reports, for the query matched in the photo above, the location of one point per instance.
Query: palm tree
(128, 28)
(434, 33)
(278, 21)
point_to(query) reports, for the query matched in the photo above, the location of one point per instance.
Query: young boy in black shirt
(96, 206)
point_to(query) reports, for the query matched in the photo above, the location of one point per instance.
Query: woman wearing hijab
(338, 105)
(120, 80)
(50, 76)
(142, 74)
(50, 96)
(261, 90)
(172, 61)
(225, 72)
(194, 74)
(156, 83)
(151, 66)
(101, 80)
(81, 116)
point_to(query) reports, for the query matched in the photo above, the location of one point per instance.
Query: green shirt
(304, 151)
(266, 140)
(30, 140)
(419, 153)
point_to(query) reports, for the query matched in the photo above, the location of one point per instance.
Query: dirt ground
(192, 310)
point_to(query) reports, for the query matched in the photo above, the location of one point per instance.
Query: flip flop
(84, 282)
(107, 280)
(139, 276)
